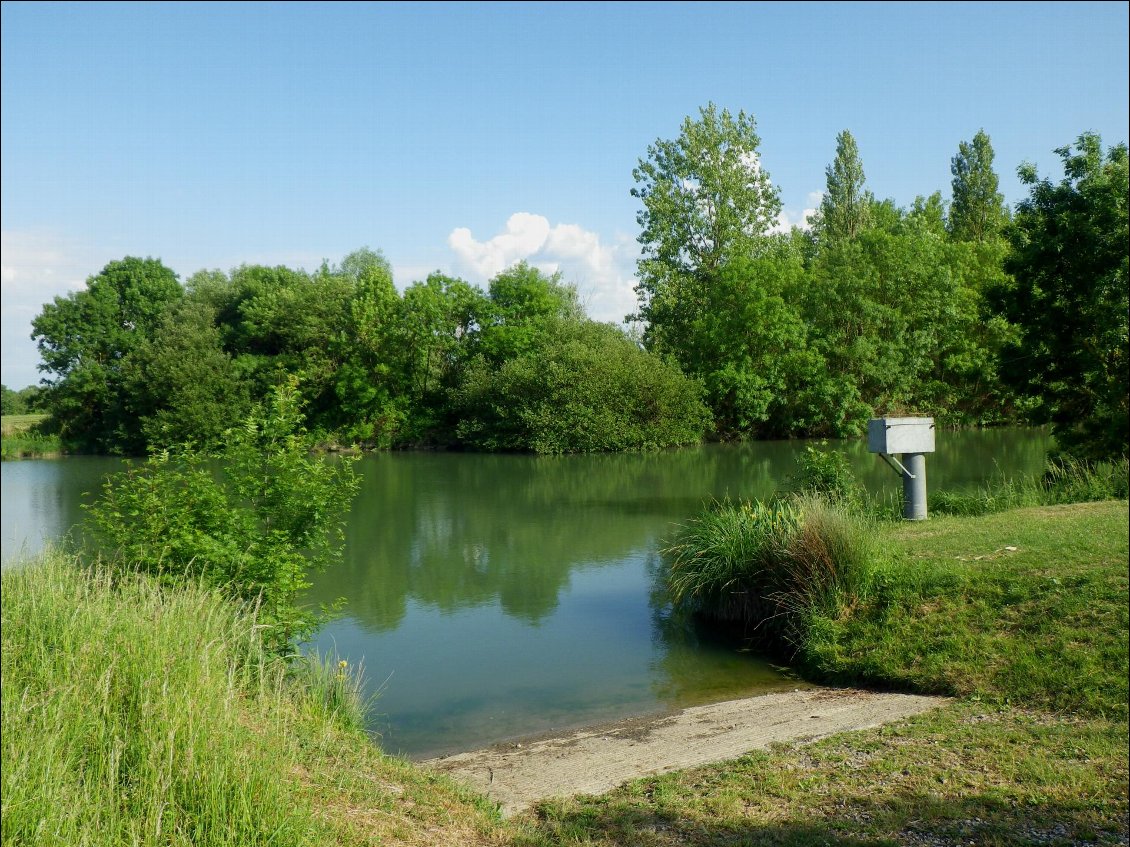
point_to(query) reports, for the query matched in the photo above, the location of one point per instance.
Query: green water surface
(491, 597)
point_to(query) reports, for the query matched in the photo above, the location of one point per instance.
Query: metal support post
(914, 486)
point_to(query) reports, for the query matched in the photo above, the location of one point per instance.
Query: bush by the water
(770, 568)
(581, 387)
(251, 519)
(828, 474)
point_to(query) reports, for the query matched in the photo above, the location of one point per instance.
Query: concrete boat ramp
(597, 759)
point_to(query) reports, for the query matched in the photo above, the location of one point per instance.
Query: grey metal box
(900, 435)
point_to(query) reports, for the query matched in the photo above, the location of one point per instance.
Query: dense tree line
(140, 361)
(964, 311)
(27, 400)
(961, 311)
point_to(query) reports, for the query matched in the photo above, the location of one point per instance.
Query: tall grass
(1065, 480)
(134, 714)
(771, 568)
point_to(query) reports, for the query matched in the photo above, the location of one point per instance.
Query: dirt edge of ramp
(595, 760)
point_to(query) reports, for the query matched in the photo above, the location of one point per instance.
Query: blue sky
(463, 137)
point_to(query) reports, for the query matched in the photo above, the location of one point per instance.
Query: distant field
(15, 424)
(20, 441)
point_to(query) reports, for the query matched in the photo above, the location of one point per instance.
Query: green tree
(1069, 298)
(252, 518)
(180, 384)
(888, 314)
(977, 212)
(705, 198)
(749, 346)
(12, 402)
(886, 215)
(440, 323)
(277, 321)
(370, 382)
(85, 337)
(521, 302)
(927, 214)
(845, 210)
(34, 398)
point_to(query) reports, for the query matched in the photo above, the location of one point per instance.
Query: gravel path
(595, 760)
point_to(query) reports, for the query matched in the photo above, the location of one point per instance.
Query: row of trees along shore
(969, 311)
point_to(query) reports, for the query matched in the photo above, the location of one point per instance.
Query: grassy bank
(137, 716)
(21, 438)
(141, 716)
(1027, 606)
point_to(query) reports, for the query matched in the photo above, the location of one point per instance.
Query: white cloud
(604, 273)
(788, 218)
(524, 236)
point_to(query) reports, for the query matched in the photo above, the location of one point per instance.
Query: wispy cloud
(35, 267)
(604, 273)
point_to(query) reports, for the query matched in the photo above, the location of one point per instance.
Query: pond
(491, 597)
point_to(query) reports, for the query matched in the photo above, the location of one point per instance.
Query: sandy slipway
(597, 759)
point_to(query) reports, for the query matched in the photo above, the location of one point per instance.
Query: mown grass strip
(967, 774)
(1028, 606)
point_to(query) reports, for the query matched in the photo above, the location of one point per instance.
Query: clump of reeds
(335, 688)
(771, 568)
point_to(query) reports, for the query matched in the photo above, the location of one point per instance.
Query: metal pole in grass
(913, 438)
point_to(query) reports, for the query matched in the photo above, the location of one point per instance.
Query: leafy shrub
(827, 473)
(251, 518)
(584, 387)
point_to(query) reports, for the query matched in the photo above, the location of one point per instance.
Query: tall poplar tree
(845, 211)
(978, 212)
